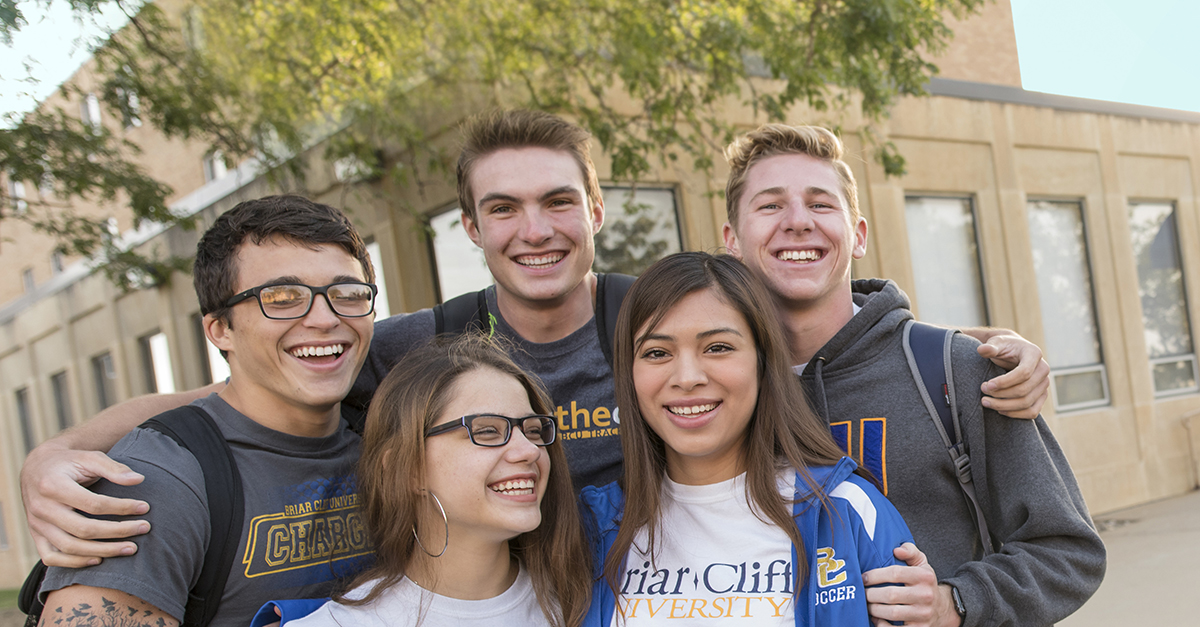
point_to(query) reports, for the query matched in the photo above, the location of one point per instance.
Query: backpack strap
(610, 293)
(462, 312)
(193, 429)
(928, 350)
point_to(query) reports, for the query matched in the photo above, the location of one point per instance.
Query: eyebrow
(811, 190)
(557, 191)
(293, 279)
(701, 335)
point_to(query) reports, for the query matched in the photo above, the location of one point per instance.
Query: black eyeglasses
(493, 430)
(290, 301)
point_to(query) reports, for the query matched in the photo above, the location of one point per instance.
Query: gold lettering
(778, 607)
(299, 531)
(561, 414)
(600, 417)
(278, 549)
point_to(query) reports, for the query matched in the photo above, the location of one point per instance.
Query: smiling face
(535, 223)
(290, 375)
(696, 379)
(795, 232)
(489, 494)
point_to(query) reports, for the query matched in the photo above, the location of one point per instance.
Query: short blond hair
(770, 140)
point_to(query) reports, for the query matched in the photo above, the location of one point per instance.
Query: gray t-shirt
(573, 369)
(302, 528)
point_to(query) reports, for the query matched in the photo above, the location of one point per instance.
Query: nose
(321, 314)
(689, 372)
(536, 227)
(519, 448)
(797, 218)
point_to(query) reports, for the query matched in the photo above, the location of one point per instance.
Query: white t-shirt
(405, 603)
(715, 561)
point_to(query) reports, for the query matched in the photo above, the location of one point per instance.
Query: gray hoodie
(1049, 559)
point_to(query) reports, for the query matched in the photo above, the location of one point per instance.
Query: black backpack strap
(193, 429)
(610, 293)
(28, 601)
(928, 350)
(463, 312)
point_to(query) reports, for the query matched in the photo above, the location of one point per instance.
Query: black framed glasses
(289, 301)
(495, 430)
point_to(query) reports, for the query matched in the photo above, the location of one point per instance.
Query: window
(23, 415)
(62, 400)
(105, 376)
(193, 29)
(214, 166)
(27, 280)
(16, 195)
(458, 262)
(382, 310)
(945, 261)
(3, 530)
(89, 111)
(1064, 279)
(640, 227)
(1164, 303)
(130, 107)
(156, 357)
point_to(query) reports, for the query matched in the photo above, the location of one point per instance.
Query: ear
(471, 228)
(860, 238)
(731, 242)
(597, 214)
(218, 331)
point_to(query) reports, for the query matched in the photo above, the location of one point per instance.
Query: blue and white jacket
(862, 529)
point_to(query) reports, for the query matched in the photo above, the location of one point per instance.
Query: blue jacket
(861, 532)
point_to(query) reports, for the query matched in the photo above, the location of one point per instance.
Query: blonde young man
(794, 220)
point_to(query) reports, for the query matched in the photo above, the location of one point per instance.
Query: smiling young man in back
(285, 286)
(794, 221)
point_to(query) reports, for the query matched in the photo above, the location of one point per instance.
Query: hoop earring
(445, 522)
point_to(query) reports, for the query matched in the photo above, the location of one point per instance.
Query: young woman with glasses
(736, 505)
(466, 497)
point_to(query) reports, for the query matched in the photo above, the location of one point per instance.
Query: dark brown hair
(410, 399)
(783, 431)
(770, 140)
(521, 128)
(295, 218)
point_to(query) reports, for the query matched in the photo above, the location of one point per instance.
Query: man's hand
(918, 601)
(52, 488)
(1020, 392)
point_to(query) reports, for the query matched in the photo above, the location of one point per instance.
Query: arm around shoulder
(54, 476)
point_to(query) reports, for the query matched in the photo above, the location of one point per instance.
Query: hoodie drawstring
(823, 403)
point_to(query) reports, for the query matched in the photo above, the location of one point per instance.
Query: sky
(1136, 51)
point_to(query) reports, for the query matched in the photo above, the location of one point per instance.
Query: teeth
(519, 486)
(692, 410)
(318, 351)
(799, 255)
(542, 260)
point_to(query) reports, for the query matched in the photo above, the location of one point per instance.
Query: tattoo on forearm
(108, 615)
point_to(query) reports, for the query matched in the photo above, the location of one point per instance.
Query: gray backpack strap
(928, 350)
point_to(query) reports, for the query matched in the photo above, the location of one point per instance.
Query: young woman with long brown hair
(465, 494)
(736, 505)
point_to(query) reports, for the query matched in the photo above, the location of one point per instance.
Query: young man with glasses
(286, 289)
